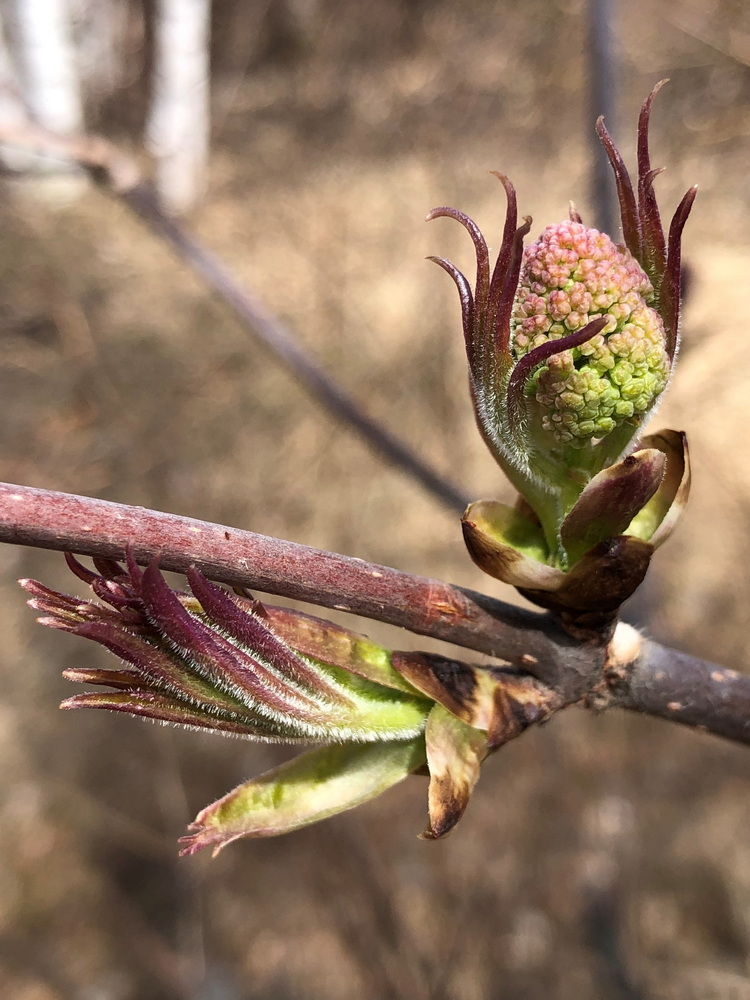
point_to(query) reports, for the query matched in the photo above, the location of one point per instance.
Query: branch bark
(682, 688)
(69, 523)
(627, 671)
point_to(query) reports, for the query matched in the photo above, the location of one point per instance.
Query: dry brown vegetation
(600, 857)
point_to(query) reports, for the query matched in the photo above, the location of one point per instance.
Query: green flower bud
(570, 276)
(570, 344)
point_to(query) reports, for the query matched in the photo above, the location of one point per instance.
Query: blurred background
(601, 857)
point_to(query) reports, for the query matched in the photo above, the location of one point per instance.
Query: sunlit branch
(623, 669)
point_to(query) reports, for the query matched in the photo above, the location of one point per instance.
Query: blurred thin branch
(121, 176)
(736, 46)
(602, 61)
(617, 668)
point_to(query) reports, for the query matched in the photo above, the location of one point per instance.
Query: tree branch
(120, 175)
(676, 686)
(628, 671)
(69, 523)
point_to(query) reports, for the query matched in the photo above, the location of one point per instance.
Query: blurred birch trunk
(99, 29)
(12, 109)
(179, 121)
(42, 38)
(40, 83)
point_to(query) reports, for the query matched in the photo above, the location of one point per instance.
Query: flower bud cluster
(570, 276)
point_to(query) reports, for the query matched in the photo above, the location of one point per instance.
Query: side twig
(628, 671)
(120, 176)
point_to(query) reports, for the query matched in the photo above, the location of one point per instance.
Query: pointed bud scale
(611, 500)
(509, 546)
(455, 752)
(592, 592)
(305, 790)
(656, 521)
(500, 703)
(620, 518)
(336, 646)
